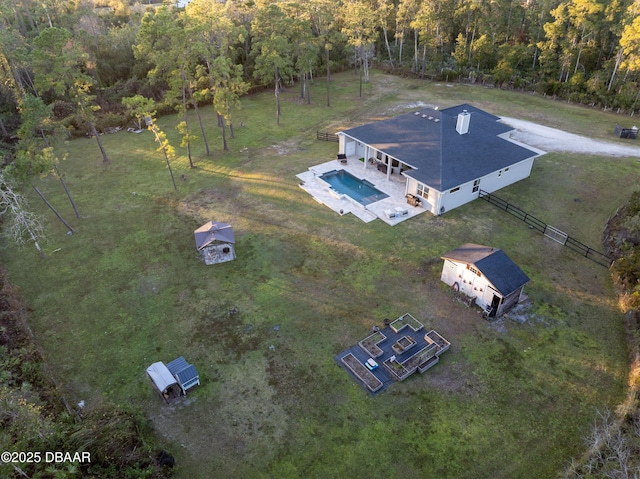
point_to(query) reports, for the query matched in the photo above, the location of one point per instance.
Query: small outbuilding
(486, 275)
(173, 380)
(185, 374)
(215, 242)
(164, 382)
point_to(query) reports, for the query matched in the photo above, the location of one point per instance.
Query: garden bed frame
(360, 371)
(406, 320)
(422, 360)
(403, 344)
(371, 344)
(400, 350)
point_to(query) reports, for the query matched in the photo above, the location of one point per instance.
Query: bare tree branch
(23, 225)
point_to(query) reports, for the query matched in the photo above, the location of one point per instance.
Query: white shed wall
(469, 282)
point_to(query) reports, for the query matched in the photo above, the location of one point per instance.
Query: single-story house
(215, 241)
(447, 156)
(486, 274)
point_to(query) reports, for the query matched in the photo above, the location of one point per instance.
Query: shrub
(110, 120)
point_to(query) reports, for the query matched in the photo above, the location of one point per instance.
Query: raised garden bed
(432, 361)
(404, 321)
(397, 370)
(433, 337)
(370, 344)
(403, 344)
(421, 356)
(401, 370)
(361, 372)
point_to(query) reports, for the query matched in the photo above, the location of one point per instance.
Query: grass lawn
(508, 400)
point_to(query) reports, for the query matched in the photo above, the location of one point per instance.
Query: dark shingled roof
(427, 140)
(213, 231)
(493, 263)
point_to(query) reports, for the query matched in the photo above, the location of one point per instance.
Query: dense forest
(69, 64)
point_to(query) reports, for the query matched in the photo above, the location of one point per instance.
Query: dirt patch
(285, 147)
(394, 110)
(222, 326)
(198, 205)
(520, 313)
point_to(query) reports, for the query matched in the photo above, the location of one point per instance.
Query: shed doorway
(495, 304)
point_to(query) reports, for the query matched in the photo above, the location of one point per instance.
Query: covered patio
(392, 210)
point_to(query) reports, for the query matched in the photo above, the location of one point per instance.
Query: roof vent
(430, 118)
(462, 126)
(417, 113)
(436, 120)
(424, 116)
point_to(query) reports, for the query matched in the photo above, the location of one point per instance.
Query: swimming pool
(360, 190)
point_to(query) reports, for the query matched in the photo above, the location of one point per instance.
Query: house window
(457, 188)
(423, 191)
(476, 185)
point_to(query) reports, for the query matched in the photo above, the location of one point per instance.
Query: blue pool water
(360, 190)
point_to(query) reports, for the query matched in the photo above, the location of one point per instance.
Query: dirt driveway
(551, 139)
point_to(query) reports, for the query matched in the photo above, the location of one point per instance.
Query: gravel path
(551, 139)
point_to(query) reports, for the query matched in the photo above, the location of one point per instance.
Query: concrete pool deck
(395, 203)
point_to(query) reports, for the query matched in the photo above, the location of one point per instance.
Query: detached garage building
(486, 274)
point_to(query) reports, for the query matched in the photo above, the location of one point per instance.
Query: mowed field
(510, 399)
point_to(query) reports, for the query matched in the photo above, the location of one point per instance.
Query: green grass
(127, 290)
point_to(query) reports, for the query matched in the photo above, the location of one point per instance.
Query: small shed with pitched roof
(215, 242)
(486, 274)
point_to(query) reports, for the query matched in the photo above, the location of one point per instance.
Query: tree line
(82, 57)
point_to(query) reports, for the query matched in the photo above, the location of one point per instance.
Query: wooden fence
(320, 135)
(548, 230)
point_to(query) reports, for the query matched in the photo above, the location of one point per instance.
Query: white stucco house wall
(447, 156)
(487, 274)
